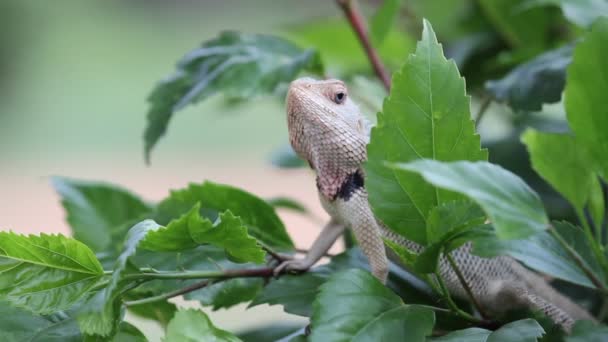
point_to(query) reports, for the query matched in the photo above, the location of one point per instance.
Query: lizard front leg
(322, 244)
(354, 210)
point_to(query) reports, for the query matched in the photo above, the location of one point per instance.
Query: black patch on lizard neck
(352, 183)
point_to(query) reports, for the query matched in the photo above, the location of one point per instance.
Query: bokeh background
(74, 77)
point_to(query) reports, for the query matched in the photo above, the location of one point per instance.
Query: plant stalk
(223, 274)
(169, 295)
(579, 261)
(357, 22)
(465, 285)
(452, 305)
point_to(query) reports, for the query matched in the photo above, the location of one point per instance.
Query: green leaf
(406, 256)
(447, 228)
(543, 253)
(258, 216)
(288, 203)
(526, 330)
(580, 12)
(529, 85)
(236, 64)
(100, 314)
(563, 163)
(427, 115)
(513, 207)
(586, 331)
(230, 233)
(585, 94)
(428, 260)
(191, 230)
(45, 273)
(469, 335)
(449, 216)
(128, 333)
(18, 325)
(519, 26)
(194, 325)
(161, 311)
(274, 331)
(383, 20)
(228, 293)
(203, 258)
(95, 210)
(296, 293)
(355, 306)
(597, 206)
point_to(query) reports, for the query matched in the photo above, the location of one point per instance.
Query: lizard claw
(299, 265)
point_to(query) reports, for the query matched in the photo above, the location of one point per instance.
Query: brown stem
(217, 277)
(357, 22)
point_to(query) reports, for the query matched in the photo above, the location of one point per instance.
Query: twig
(169, 295)
(596, 245)
(465, 285)
(216, 276)
(578, 260)
(357, 22)
(222, 274)
(452, 305)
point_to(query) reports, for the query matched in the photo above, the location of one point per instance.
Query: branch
(357, 22)
(452, 305)
(263, 272)
(169, 295)
(212, 277)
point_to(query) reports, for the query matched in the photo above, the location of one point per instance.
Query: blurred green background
(74, 77)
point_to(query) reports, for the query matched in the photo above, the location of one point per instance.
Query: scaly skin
(327, 129)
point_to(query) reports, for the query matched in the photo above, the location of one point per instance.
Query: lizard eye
(340, 97)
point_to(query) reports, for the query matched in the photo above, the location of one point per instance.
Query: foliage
(238, 65)
(193, 325)
(427, 100)
(428, 177)
(533, 83)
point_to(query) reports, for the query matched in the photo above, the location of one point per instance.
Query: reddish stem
(357, 22)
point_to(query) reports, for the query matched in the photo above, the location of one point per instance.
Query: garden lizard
(327, 129)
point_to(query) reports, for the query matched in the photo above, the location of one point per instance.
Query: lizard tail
(541, 288)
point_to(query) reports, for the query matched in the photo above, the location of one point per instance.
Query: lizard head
(327, 129)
